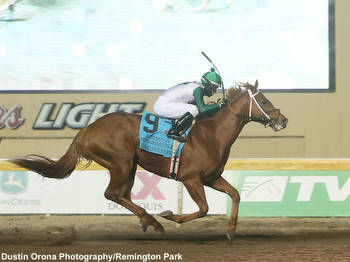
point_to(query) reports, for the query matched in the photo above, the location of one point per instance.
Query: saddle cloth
(153, 135)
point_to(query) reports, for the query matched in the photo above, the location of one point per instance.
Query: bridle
(266, 120)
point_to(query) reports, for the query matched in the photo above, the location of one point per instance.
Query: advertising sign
(19, 193)
(77, 116)
(10, 118)
(264, 193)
(292, 193)
(23, 192)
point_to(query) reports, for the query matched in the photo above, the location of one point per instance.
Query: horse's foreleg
(222, 185)
(118, 191)
(196, 190)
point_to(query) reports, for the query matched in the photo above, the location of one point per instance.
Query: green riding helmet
(211, 81)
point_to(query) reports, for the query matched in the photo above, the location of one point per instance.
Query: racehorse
(113, 142)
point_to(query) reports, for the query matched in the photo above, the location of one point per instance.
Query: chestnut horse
(113, 142)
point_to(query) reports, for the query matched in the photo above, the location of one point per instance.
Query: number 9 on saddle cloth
(153, 135)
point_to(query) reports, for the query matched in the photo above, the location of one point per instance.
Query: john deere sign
(292, 193)
(13, 182)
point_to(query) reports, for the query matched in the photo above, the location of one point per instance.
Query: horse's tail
(47, 167)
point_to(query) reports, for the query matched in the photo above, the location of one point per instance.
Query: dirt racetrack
(92, 238)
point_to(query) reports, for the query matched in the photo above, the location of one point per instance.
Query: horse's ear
(256, 84)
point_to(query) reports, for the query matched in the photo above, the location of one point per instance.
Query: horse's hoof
(230, 237)
(159, 229)
(144, 226)
(166, 214)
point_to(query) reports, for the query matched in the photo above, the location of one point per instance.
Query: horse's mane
(234, 92)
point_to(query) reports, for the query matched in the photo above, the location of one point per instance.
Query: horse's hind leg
(222, 185)
(196, 190)
(119, 190)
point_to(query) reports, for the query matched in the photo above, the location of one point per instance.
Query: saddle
(153, 138)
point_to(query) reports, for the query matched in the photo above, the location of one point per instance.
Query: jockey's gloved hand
(221, 102)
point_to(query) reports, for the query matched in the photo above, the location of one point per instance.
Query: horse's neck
(225, 126)
(217, 133)
(222, 129)
(229, 122)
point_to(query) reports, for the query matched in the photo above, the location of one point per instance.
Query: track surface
(302, 239)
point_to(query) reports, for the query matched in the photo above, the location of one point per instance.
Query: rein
(265, 121)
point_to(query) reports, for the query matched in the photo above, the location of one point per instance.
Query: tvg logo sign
(272, 188)
(335, 192)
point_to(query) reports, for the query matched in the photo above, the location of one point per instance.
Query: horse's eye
(265, 102)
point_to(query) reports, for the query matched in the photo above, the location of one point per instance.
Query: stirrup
(174, 135)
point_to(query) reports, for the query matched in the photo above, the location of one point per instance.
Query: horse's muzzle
(280, 123)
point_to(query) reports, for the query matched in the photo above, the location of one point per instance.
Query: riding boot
(180, 126)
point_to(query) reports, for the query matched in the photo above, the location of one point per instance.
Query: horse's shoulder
(208, 117)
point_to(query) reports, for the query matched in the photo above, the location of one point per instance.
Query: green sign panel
(291, 193)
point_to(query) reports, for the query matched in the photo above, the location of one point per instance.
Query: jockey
(185, 101)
